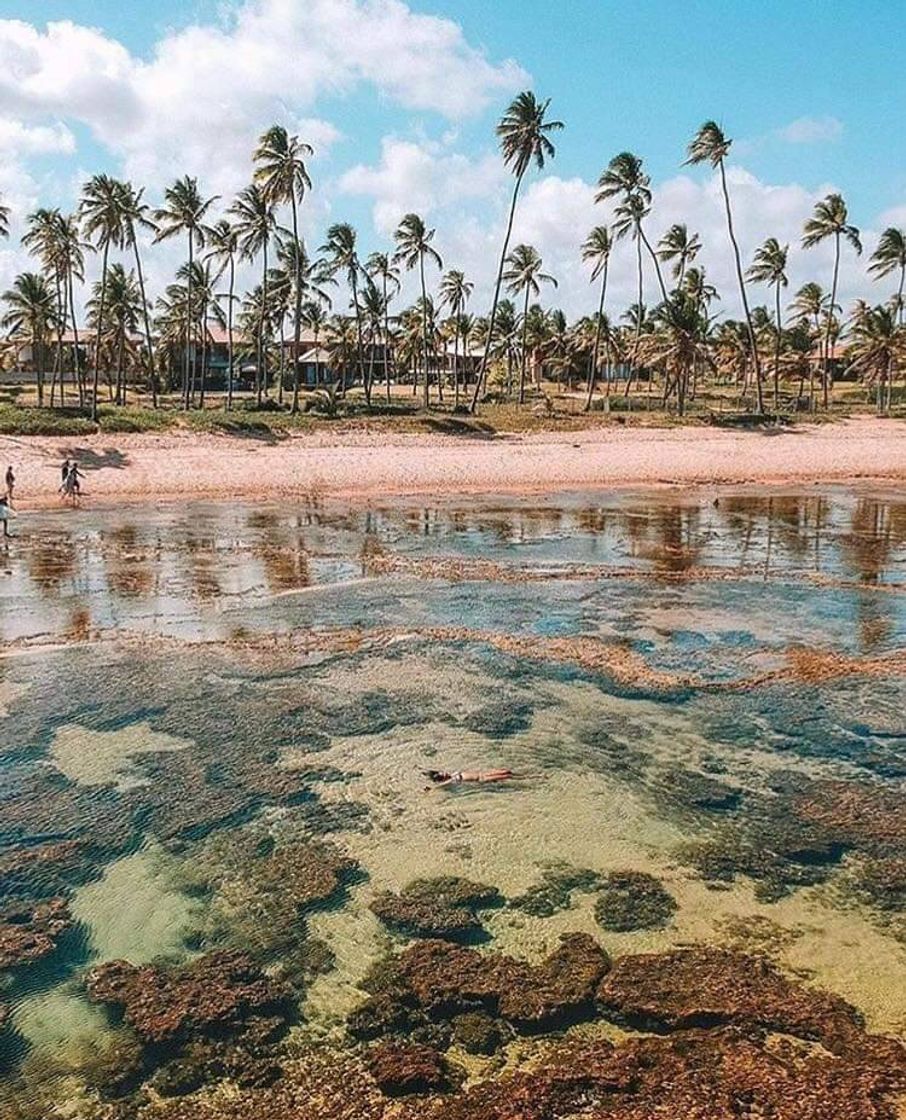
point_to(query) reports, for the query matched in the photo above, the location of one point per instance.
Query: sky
(400, 101)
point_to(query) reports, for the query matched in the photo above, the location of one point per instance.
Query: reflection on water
(202, 780)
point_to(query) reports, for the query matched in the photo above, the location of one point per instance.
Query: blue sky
(812, 94)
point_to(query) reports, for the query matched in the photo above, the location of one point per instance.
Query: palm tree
(308, 276)
(455, 292)
(342, 256)
(413, 245)
(596, 250)
(523, 132)
(878, 349)
(223, 247)
(255, 222)
(42, 238)
(710, 145)
(185, 212)
(121, 305)
(769, 267)
(380, 266)
(32, 313)
(830, 219)
(136, 215)
(889, 256)
(201, 278)
(681, 247)
(625, 178)
(283, 177)
(678, 343)
(523, 274)
(71, 249)
(810, 303)
(101, 213)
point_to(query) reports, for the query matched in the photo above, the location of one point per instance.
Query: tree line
(782, 352)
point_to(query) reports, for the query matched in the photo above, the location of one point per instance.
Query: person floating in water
(457, 777)
(10, 484)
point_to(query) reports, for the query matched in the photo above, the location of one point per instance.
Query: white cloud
(17, 138)
(411, 176)
(197, 104)
(811, 130)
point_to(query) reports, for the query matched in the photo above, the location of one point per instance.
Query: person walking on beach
(10, 484)
(64, 475)
(5, 512)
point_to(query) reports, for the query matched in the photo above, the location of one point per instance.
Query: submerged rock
(220, 993)
(707, 987)
(631, 900)
(405, 1068)
(555, 890)
(445, 907)
(478, 1033)
(30, 931)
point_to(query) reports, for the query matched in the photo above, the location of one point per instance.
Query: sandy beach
(188, 465)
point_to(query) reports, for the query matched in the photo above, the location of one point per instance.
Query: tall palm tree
(202, 278)
(136, 216)
(890, 256)
(380, 266)
(42, 238)
(255, 223)
(769, 267)
(524, 135)
(830, 219)
(122, 312)
(625, 178)
(223, 248)
(32, 314)
(101, 213)
(305, 274)
(711, 145)
(596, 250)
(678, 342)
(185, 211)
(413, 244)
(681, 247)
(878, 350)
(71, 248)
(342, 256)
(455, 292)
(523, 275)
(283, 177)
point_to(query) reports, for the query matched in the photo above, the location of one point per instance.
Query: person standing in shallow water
(4, 515)
(64, 475)
(10, 484)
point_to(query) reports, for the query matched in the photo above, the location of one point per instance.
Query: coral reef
(631, 900)
(407, 1068)
(220, 993)
(30, 931)
(445, 907)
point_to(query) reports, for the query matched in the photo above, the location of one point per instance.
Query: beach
(175, 466)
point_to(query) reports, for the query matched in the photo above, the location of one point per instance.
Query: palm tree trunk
(593, 369)
(524, 355)
(262, 338)
(97, 334)
(830, 323)
(386, 339)
(77, 358)
(204, 351)
(229, 396)
(297, 314)
(421, 269)
(61, 312)
(360, 351)
(120, 369)
(456, 368)
(152, 372)
(482, 370)
(638, 318)
(189, 324)
(742, 286)
(657, 263)
(900, 294)
(777, 348)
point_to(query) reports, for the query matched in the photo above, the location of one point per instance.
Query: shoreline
(174, 467)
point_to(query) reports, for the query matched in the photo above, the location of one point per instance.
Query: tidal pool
(214, 721)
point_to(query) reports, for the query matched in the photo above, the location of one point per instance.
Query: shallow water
(179, 680)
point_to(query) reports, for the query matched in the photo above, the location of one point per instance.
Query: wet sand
(189, 465)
